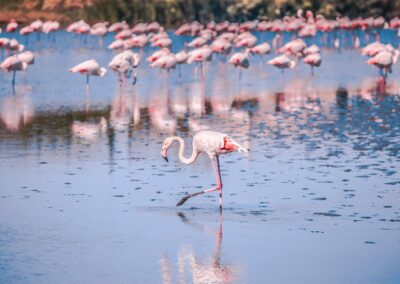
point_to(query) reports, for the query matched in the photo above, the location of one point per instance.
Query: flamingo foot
(185, 198)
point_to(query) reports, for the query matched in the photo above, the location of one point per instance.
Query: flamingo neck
(182, 158)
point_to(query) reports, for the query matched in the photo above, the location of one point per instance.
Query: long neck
(182, 157)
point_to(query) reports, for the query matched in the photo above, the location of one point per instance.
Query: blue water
(85, 196)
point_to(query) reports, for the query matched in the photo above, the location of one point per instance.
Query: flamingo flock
(222, 39)
(289, 43)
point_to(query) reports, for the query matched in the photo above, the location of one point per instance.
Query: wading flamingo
(13, 63)
(213, 144)
(89, 68)
(123, 63)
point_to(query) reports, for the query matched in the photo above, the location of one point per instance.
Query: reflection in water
(193, 268)
(125, 109)
(299, 109)
(16, 111)
(89, 130)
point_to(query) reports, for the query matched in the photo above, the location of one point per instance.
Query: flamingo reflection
(194, 269)
(16, 111)
(89, 130)
(124, 111)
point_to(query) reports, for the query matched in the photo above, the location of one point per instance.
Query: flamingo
(294, 47)
(314, 60)
(384, 61)
(248, 40)
(213, 144)
(197, 42)
(162, 43)
(261, 49)
(311, 49)
(13, 63)
(282, 62)
(117, 44)
(11, 26)
(118, 26)
(14, 45)
(201, 55)
(123, 63)
(139, 28)
(157, 54)
(240, 59)
(181, 58)
(221, 46)
(90, 68)
(167, 61)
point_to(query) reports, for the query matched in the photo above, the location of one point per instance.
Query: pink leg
(217, 174)
(219, 184)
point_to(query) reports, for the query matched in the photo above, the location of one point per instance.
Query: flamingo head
(166, 145)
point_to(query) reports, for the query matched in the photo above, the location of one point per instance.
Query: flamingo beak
(134, 79)
(164, 154)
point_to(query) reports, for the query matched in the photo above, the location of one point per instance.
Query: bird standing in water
(89, 68)
(213, 144)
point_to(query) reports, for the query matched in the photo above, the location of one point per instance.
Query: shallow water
(86, 198)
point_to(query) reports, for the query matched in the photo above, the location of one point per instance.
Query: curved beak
(164, 154)
(134, 79)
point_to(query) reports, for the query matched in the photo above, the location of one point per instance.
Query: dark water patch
(366, 217)
(327, 214)
(319, 198)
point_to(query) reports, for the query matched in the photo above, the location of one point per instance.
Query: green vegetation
(175, 12)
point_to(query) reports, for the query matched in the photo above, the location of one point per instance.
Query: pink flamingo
(124, 34)
(294, 47)
(201, 55)
(181, 58)
(210, 142)
(240, 59)
(11, 26)
(282, 62)
(13, 63)
(221, 46)
(157, 54)
(314, 60)
(197, 42)
(123, 63)
(118, 26)
(139, 28)
(163, 43)
(246, 40)
(384, 61)
(167, 61)
(261, 49)
(90, 68)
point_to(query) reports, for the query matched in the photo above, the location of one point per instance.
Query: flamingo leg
(217, 174)
(219, 184)
(13, 80)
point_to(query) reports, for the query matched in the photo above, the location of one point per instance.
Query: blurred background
(174, 12)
